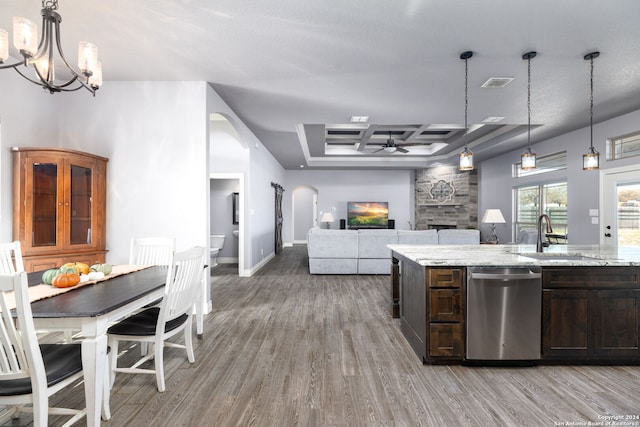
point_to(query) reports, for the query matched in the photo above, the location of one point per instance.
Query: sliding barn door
(278, 217)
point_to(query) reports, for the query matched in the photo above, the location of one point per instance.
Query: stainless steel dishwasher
(504, 311)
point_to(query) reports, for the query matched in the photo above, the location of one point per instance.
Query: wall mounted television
(367, 215)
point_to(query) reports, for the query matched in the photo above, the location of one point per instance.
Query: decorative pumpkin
(66, 268)
(102, 268)
(47, 276)
(66, 280)
(80, 267)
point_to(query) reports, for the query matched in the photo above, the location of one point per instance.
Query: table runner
(42, 290)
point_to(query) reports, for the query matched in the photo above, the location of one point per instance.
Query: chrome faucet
(540, 244)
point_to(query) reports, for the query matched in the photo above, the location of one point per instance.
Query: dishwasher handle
(505, 276)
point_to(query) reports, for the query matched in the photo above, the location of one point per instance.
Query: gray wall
(303, 208)
(495, 182)
(337, 187)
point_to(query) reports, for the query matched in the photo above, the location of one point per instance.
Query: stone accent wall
(446, 196)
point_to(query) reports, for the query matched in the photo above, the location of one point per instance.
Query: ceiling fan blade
(402, 150)
(377, 150)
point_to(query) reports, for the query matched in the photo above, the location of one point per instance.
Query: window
(624, 146)
(532, 201)
(552, 162)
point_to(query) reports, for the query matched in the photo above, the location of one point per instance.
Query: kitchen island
(590, 299)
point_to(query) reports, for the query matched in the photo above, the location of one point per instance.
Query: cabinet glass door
(45, 199)
(80, 214)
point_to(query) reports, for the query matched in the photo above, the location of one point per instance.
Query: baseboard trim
(261, 264)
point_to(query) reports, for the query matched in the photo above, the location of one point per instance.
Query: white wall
(495, 183)
(337, 187)
(28, 118)
(155, 135)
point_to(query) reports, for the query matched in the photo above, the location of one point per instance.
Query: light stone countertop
(515, 255)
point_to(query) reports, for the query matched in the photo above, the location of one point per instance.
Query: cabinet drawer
(446, 340)
(445, 305)
(591, 277)
(445, 278)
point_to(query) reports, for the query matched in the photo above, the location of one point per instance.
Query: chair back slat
(20, 354)
(152, 251)
(184, 280)
(11, 258)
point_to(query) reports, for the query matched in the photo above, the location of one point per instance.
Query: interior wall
(29, 117)
(221, 210)
(303, 199)
(155, 135)
(258, 198)
(337, 187)
(496, 184)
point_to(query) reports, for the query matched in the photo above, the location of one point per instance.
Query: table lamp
(327, 217)
(493, 216)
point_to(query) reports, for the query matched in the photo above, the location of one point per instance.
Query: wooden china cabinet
(59, 209)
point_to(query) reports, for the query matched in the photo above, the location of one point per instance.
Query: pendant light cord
(466, 99)
(591, 109)
(529, 104)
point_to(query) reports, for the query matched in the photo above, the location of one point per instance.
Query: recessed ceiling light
(497, 82)
(359, 119)
(493, 119)
(301, 166)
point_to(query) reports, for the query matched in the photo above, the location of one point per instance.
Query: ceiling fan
(391, 147)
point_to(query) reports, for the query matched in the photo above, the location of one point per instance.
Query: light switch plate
(593, 212)
(594, 220)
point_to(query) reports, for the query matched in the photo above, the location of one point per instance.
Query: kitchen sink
(558, 257)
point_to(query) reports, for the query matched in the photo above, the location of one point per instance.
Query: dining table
(91, 309)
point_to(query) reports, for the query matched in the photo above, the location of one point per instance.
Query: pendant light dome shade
(466, 156)
(591, 159)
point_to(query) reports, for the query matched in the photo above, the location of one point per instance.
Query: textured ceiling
(288, 67)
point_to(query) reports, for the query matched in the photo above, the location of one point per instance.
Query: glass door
(620, 206)
(628, 203)
(45, 194)
(80, 214)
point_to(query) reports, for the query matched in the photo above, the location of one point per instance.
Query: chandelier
(39, 58)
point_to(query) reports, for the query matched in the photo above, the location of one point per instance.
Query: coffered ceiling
(296, 71)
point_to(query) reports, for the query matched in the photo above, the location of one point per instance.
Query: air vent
(343, 132)
(497, 82)
(436, 132)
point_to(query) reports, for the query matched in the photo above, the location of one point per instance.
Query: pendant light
(591, 159)
(528, 158)
(466, 156)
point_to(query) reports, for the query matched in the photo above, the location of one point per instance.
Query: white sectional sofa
(366, 251)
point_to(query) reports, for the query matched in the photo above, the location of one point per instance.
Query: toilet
(216, 242)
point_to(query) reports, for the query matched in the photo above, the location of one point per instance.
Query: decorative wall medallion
(442, 191)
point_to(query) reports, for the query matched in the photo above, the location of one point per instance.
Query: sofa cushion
(332, 244)
(458, 237)
(417, 237)
(373, 243)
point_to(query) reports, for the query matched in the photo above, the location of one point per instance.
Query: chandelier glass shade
(591, 159)
(466, 155)
(42, 58)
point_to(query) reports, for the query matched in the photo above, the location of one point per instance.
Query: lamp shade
(493, 216)
(327, 217)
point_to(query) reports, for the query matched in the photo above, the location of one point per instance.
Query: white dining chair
(152, 250)
(30, 373)
(155, 325)
(11, 258)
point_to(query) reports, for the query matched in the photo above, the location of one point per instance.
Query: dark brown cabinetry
(432, 311)
(59, 206)
(591, 313)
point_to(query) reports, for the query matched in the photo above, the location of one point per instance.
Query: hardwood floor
(285, 348)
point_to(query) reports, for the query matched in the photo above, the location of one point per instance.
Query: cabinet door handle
(607, 234)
